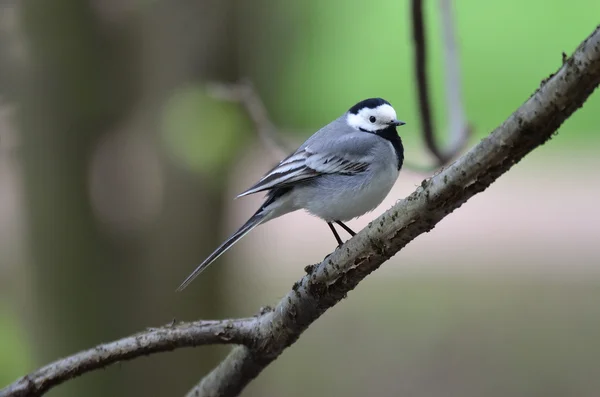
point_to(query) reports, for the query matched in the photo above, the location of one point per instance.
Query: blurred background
(118, 170)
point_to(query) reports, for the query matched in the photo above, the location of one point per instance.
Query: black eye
(372, 119)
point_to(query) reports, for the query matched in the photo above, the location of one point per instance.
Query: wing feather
(306, 164)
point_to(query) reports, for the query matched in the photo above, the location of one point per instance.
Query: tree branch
(264, 337)
(154, 340)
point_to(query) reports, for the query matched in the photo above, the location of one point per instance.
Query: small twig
(459, 131)
(245, 93)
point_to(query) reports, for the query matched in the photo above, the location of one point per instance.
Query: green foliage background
(343, 51)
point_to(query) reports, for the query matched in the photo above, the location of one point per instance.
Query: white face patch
(372, 119)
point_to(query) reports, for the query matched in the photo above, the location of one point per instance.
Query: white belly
(341, 198)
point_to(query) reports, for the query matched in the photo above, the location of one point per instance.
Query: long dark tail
(263, 214)
(234, 238)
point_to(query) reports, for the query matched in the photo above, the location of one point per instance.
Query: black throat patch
(391, 135)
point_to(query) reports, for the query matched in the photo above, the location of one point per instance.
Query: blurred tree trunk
(77, 89)
(88, 287)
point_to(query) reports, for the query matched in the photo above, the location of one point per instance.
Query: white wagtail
(341, 172)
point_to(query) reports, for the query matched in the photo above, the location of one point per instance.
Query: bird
(343, 171)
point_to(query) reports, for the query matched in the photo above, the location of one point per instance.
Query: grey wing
(348, 155)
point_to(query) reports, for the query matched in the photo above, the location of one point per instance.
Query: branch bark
(264, 337)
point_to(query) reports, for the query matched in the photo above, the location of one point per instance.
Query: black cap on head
(370, 103)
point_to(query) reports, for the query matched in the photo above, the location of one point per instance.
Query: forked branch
(458, 130)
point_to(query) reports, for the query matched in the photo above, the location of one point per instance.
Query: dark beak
(397, 123)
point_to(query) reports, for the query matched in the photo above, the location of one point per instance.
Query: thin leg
(346, 228)
(336, 235)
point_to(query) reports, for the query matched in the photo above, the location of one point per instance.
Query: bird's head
(372, 115)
